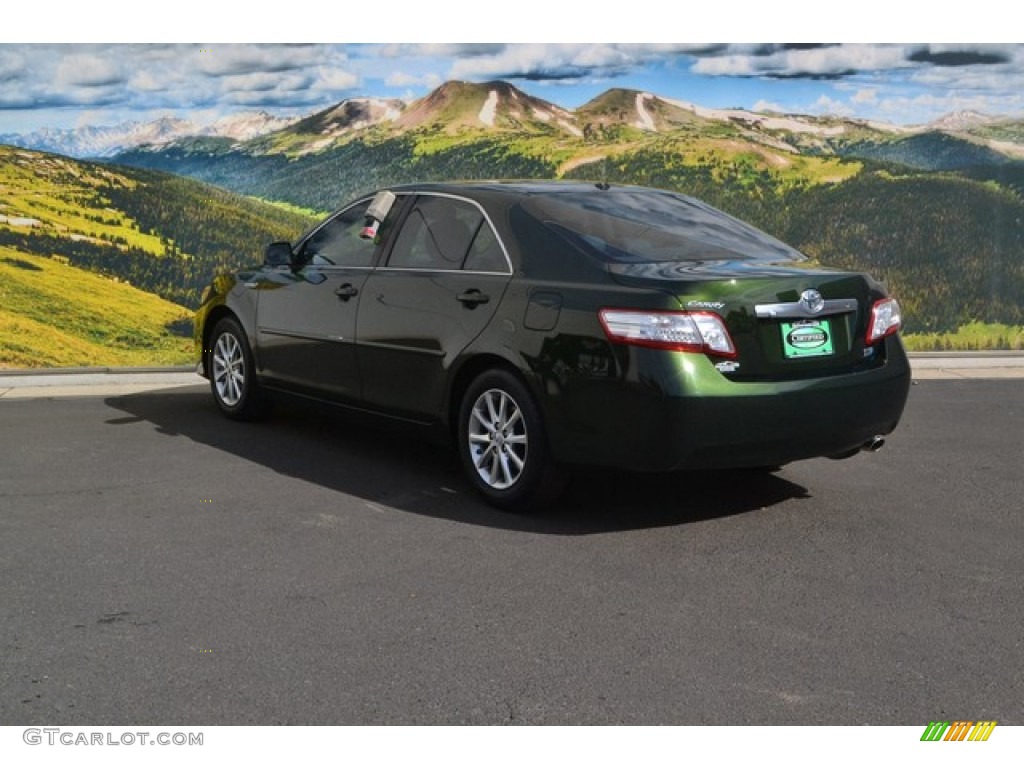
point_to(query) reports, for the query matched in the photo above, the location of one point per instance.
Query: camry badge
(812, 300)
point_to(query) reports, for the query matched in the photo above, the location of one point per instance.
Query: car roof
(514, 188)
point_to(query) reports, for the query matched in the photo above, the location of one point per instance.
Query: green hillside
(101, 265)
(164, 234)
(53, 314)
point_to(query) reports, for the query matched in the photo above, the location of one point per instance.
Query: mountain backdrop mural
(137, 216)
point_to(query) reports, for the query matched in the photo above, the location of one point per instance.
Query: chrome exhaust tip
(874, 444)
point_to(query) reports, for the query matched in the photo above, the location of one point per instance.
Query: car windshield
(630, 225)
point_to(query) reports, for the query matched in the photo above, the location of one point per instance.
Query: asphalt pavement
(159, 564)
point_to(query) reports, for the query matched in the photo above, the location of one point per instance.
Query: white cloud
(335, 79)
(438, 50)
(218, 61)
(540, 61)
(768, 106)
(735, 66)
(12, 65)
(146, 80)
(89, 70)
(403, 79)
(268, 81)
(826, 105)
(994, 79)
(865, 96)
(831, 61)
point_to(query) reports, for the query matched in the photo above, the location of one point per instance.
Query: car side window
(485, 254)
(338, 242)
(436, 234)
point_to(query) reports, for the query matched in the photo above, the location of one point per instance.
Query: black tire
(232, 373)
(503, 445)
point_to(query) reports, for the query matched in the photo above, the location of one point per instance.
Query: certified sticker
(807, 338)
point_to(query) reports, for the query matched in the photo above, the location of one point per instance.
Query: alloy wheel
(228, 369)
(498, 441)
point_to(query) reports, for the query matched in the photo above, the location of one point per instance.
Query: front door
(306, 314)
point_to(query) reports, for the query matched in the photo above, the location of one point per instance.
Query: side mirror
(278, 255)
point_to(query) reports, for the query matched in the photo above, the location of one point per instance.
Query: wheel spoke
(505, 470)
(484, 454)
(489, 401)
(481, 420)
(493, 472)
(516, 460)
(513, 419)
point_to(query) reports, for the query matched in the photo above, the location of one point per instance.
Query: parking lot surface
(159, 564)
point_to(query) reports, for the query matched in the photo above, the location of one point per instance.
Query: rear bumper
(684, 414)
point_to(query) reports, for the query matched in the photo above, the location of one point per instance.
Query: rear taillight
(885, 320)
(681, 331)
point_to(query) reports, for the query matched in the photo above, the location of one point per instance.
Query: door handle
(472, 297)
(346, 291)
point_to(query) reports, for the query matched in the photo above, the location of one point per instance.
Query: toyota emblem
(812, 300)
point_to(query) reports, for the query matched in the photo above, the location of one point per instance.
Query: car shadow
(389, 466)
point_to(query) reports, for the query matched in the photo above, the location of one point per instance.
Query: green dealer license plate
(807, 338)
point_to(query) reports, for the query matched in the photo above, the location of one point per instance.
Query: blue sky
(65, 85)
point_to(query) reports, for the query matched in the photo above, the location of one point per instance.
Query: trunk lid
(788, 320)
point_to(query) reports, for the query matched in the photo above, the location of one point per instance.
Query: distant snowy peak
(157, 132)
(109, 140)
(247, 125)
(961, 121)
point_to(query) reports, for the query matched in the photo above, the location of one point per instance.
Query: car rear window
(626, 225)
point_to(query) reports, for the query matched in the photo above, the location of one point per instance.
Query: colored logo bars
(961, 730)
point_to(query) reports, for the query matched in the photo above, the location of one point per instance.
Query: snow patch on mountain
(767, 122)
(489, 109)
(646, 122)
(575, 131)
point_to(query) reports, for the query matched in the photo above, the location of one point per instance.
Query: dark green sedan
(542, 325)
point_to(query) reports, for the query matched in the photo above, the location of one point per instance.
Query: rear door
(443, 279)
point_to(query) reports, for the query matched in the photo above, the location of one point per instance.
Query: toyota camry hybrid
(541, 325)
